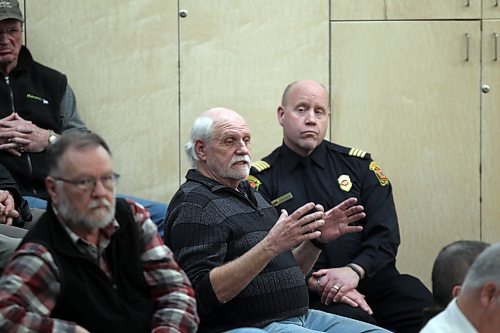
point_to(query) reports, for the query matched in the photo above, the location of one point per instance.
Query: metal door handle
(467, 46)
(495, 36)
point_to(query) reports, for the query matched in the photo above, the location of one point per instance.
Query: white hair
(486, 268)
(201, 130)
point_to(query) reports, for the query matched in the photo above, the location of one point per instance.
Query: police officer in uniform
(356, 275)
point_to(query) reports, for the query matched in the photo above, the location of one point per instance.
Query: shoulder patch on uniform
(383, 180)
(260, 166)
(357, 152)
(254, 182)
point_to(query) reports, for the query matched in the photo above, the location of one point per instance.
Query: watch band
(356, 270)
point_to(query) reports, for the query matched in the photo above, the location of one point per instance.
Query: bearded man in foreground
(93, 263)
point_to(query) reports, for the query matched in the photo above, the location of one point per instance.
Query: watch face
(52, 138)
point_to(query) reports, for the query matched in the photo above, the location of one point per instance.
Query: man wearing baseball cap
(37, 105)
(10, 10)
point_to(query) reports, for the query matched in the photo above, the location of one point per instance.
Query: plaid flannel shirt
(29, 286)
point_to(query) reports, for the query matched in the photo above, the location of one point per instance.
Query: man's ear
(280, 113)
(488, 294)
(455, 291)
(199, 148)
(50, 185)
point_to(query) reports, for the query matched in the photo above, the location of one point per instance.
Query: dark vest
(35, 92)
(88, 296)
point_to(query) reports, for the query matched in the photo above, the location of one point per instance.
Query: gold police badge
(345, 183)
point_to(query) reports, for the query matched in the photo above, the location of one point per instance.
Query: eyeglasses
(12, 32)
(88, 184)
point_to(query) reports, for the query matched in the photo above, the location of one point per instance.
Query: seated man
(246, 263)
(36, 106)
(449, 270)
(477, 307)
(93, 263)
(306, 168)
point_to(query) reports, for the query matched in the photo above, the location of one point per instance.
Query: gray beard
(75, 220)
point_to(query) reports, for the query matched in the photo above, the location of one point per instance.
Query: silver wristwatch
(52, 137)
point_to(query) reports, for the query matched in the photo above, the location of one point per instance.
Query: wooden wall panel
(403, 92)
(121, 60)
(242, 54)
(490, 180)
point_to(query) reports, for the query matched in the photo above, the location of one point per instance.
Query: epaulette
(348, 151)
(357, 152)
(260, 166)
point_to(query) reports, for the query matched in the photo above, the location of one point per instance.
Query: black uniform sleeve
(381, 231)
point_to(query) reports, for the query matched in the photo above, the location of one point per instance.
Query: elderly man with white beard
(93, 263)
(246, 263)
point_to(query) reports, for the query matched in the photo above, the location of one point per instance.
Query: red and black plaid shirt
(30, 284)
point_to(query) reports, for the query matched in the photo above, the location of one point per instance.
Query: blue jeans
(157, 210)
(246, 330)
(318, 321)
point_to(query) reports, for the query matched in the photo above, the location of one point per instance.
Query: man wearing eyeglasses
(93, 263)
(36, 106)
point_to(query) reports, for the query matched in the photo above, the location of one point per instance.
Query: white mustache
(98, 203)
(240, 158)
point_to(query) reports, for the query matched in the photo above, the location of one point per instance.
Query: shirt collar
(214, 186)
(292, 159)
(459, 318)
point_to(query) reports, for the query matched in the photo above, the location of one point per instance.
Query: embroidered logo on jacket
(37, 98)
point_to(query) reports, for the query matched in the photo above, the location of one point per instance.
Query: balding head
(221, 115)
(301, 83)
(304, 115)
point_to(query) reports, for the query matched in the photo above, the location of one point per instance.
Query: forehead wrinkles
(225, 128)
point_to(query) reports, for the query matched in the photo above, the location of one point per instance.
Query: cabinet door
(490, 180)
(241, 54)
(121, 60)
(407, 92)
(405, 9)
(491, 9)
